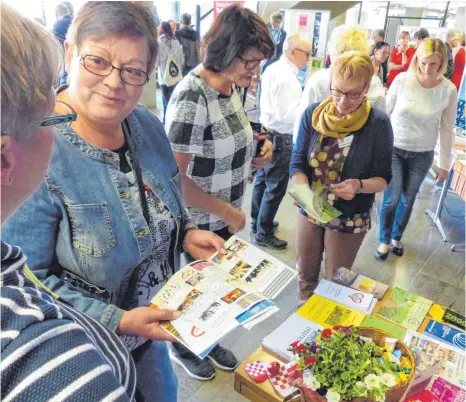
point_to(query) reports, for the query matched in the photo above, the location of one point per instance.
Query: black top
(125, 167)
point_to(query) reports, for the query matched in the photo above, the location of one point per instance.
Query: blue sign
(460, 118)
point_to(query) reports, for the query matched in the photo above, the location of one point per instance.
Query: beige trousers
(311, 242)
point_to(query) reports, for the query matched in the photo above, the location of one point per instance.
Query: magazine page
(210, 300)
(258, 269)
(428, 351)
(314, 202)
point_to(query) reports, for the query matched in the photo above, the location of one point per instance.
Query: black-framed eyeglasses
(57, 120)
(351, 95)
(308, 54)
(99, 66)
(250, 64)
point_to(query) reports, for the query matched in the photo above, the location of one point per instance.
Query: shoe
(272, 242)
(380, 256)
(200, 369)
(223, 358)
(254, 227)
(398, 251)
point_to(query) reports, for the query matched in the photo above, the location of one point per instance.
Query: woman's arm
(36, 227)
(447, 124)
(299, 166)
(392, 93)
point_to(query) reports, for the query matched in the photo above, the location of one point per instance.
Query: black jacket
(190, 42)
(370, 155)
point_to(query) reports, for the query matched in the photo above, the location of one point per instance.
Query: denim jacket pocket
(91, 229)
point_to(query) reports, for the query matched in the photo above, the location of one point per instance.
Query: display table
(257, 392)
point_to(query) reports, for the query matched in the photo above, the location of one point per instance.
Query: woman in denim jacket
(106, 228)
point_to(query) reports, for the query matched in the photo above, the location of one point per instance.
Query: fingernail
(177, 314)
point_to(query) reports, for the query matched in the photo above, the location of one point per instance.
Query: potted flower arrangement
(340, 365)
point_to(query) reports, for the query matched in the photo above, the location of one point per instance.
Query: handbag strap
(134, 157)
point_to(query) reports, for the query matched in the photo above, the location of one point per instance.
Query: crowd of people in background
(105, 204)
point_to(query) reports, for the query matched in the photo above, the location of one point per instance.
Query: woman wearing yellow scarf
(344, 145)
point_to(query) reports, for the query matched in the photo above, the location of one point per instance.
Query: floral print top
(327, 160)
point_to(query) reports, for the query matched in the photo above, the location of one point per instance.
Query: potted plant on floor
(351, 364)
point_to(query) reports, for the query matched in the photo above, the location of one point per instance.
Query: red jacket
(458, 68)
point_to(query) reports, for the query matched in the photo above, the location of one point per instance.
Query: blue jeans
(156, 380)
(409, 170)
(271, 184)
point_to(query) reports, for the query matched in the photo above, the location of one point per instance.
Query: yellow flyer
(327, 313)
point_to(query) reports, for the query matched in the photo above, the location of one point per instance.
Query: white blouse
(419, 115)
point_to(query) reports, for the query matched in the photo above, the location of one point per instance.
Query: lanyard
(134, 157)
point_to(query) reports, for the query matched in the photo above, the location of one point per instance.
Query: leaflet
(428, 351)
(221, 293)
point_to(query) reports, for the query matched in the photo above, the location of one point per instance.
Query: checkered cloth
(214, 128)
(280, 383)
(256, 371)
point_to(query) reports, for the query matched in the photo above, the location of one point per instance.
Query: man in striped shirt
(51, 352)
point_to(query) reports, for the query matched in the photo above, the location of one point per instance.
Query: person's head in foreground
(430, 60)
(276, 20)
(110, 53)
(351, 75)
(345, 38)
(27, 101)
(420, 35)
(235, 45)
(381, 51)
(298, 50)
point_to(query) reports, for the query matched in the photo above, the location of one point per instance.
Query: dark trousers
(166, 95)
(271, 184)
(409, 170)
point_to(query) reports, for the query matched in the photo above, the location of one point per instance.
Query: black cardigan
(370, 155)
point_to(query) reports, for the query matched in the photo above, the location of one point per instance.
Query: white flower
(333, 396)
(388, 380)
(360, 389)
(310, 381)
(372, 381)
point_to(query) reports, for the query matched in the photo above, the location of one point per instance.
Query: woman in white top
(422, 105)
(170, 61)
(317, 89)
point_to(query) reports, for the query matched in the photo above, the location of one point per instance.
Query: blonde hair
(99, 19)
(427, 48)
(31, 61)
(345, 38)
(352, 66)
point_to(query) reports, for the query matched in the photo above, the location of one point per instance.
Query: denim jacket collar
(97, 152)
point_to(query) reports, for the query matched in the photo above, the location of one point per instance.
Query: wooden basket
(396, 393)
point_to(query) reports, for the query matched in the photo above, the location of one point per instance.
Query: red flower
(294, 344)
(326, 333)
(337, 327)
(310, 360)
(301, 348)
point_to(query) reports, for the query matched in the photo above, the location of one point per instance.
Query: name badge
(346, 142)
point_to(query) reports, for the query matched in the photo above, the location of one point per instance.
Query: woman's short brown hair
(403, 33)
(99, 19)
(235, 30)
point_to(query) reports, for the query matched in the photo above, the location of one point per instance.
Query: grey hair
(61, 10)
(276, 16)
(31, 61)
(453, 34)
(100, 19)
(379, 33)
(295, 41)
(421, 34)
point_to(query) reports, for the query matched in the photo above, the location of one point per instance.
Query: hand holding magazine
(314, 202)
(221, 293)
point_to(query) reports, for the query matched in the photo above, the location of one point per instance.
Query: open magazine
(221, 293)
(314, 202)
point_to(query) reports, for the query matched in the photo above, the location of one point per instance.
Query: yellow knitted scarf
(328, 124)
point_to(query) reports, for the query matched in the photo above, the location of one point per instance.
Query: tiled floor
(428, 268)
